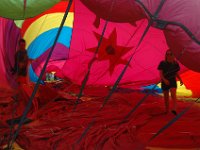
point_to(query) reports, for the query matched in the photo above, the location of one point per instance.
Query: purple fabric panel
(60, 54)
(9, 35)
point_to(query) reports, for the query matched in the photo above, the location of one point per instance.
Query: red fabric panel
(192, 82)
(56, 126)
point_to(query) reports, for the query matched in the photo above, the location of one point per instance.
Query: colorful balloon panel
(57, 60)
(21, 9)
(40, 33)
(38, 46)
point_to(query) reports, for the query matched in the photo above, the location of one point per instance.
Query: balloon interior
(92, 79)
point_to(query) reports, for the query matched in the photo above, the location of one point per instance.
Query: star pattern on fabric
(110, 50)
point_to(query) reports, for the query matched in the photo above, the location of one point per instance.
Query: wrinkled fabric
(56, 126)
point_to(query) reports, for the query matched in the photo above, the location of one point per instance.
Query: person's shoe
(174, 112)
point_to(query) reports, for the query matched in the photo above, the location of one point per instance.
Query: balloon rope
(172, 121)
(15, 98)
(124, 70)
(143, 99)
(41, 74)
(126, 44)
(138, 104)
(189, 33)
(84, 82)
(24, 13)
(112, 90)
(120, 76)
(12, 122)
(89, 67)
(147, 28)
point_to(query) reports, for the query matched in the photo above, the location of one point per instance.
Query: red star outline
(109, 50)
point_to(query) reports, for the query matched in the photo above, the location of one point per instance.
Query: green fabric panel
(19, 23)
(14, 9)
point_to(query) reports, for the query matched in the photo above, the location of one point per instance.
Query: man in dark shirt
(169, 69)
(21, 60)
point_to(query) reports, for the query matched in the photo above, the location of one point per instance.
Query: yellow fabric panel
(182, 91)
(46, 23)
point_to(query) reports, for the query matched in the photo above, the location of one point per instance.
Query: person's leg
(173, 96)
(166, 98)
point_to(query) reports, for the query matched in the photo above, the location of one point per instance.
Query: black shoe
(174, 112)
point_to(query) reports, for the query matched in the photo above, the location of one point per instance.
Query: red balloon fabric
(119, 42)
(178, 19)
(56, 126)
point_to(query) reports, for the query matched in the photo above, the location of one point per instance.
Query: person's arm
(163, 78)
(179, 77)
(30, 60)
